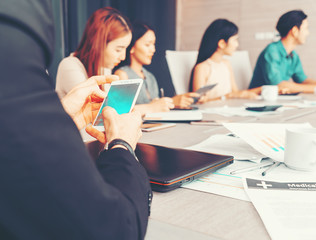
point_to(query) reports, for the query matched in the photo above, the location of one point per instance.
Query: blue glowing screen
(120, 97)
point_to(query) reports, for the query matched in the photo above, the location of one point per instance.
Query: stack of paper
(175, 116)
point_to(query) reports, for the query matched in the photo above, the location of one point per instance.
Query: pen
(248, 169)
(276, 164)
(162, 93)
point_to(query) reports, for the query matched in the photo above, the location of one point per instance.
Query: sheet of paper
(225, 184)
(241, 111)
(228, 145)
(222, 183)
(266, 138)
(236, 111)
(289, 97)
(287, 209)
(175, 115)
(310, 103)
(296, 104)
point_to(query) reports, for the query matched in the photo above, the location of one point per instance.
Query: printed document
(228, 145)
(266, 138)
(222, 182)
(287, 209)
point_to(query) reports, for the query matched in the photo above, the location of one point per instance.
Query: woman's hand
(161, 104)
(156, 105)
(184, 100)
(82, 103)
(125, 126)
(204, 99)
(243, 94)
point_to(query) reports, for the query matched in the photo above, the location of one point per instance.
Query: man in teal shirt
(278, 63)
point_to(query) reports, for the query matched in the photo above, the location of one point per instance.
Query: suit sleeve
(52, 188)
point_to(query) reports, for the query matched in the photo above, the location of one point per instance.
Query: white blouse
(70, 73)
(220, 74)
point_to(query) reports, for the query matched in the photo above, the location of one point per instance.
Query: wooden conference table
(189, 214)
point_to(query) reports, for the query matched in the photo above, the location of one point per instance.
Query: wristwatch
(118, 141)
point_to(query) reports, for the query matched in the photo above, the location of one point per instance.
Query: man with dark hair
(288, 20)
(278, 62)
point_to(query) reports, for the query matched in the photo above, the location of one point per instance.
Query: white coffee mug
(269, 92)
(300, 149)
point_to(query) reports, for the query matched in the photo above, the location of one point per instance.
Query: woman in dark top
(140, 53)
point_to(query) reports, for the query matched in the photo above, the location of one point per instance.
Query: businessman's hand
(82, 103)
(125, 126)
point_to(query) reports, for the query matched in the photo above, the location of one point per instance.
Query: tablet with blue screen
(122, 96)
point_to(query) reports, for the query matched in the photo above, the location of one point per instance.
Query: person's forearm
(310, 81)
(304, 87)
(296, 87)
(256, 90)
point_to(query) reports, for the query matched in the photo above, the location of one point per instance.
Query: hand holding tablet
(122, 96)
(203, 90)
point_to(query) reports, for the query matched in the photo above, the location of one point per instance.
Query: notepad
(175, 116)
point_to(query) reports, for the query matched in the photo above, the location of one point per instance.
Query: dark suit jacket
(49, 186)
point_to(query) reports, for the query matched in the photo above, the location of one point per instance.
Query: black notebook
(169, 168)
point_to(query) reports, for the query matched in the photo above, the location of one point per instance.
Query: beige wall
(251, 16)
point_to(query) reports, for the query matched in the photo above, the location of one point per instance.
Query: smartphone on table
(185, 108)
(290, 94)
(266, 108)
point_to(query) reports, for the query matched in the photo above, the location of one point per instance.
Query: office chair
(241, 67)
(180, 64)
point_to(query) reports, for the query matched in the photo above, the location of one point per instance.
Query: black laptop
(169, 168)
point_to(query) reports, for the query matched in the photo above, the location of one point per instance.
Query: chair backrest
(241, 67)
(180, 64)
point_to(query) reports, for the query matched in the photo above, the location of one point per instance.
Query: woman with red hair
(102, 47)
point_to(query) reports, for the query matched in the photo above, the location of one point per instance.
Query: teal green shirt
(274, 65)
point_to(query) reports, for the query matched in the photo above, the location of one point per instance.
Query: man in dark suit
(49, 186)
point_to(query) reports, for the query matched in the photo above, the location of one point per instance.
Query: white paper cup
(269, 92)
(300, 149)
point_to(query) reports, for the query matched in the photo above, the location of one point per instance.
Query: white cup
(269, 92)
(300, 149)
